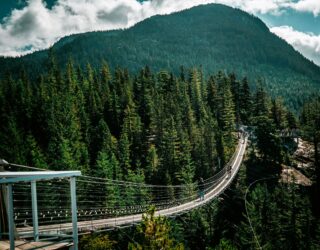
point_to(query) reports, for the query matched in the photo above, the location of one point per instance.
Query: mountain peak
(214, 36)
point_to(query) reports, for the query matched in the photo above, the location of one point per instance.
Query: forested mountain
(168, 129)
(118, 105)
(213, 37)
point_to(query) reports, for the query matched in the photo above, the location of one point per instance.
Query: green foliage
(134, 195)
(158, 126)
(310, 122)
(197, 229)
(261, 105)
(152, 163)
(36, 156)
(278, 113)
(160, 129)
(214, 36)
(281, 218)
(245, 102)
(107, 166)
(227, 113)
(268, 142)
(97, 242)
(225, 244)
(155, 234)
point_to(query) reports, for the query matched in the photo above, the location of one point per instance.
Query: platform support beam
(10, 216)
(34, 211)
(74, 212)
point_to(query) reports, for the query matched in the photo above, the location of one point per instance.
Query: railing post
(0, 221)
(1, 208)
(2, 204)
(10, 216)
(34, 211)
(74, 212)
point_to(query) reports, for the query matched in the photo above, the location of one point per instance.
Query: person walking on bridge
(201, 189)
(229, 171)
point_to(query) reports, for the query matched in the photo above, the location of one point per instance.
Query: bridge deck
(101, 224)
(23, 245)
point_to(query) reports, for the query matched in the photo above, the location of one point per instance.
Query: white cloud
(252, 6)
(37, 27)
(259, 6)
(306, 44)
(312, 6)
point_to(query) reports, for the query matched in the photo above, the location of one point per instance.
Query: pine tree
(245, 102)
(196, 93)
(261, 103)
(212, 98)
(188, 119)
(36, 157)
(94, 100)
(227, 114)
(104, 86)
(209, 135)
(278, 113)
(142, 94)
(12, 145)
(152, 163)
(97, 242)
(66, 147)
(101, 140)
(280, 217)
(107, 166)
(135, 194)
(155, 234)
(132, 126)
(291, 120)
(268, 142)
(169, 150)
(220, 148)
(310, 120)
(235, 90)
(186, 173)
(124, 153)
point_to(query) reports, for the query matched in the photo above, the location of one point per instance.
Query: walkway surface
(122, 221)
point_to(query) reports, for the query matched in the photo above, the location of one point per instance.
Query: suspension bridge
(57, 206)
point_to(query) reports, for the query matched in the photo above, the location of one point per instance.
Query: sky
(30, 25)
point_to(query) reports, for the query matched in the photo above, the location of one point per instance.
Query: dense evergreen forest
(214, 37)
(168, 128)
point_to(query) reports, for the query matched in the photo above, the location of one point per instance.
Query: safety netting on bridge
(100, 199)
